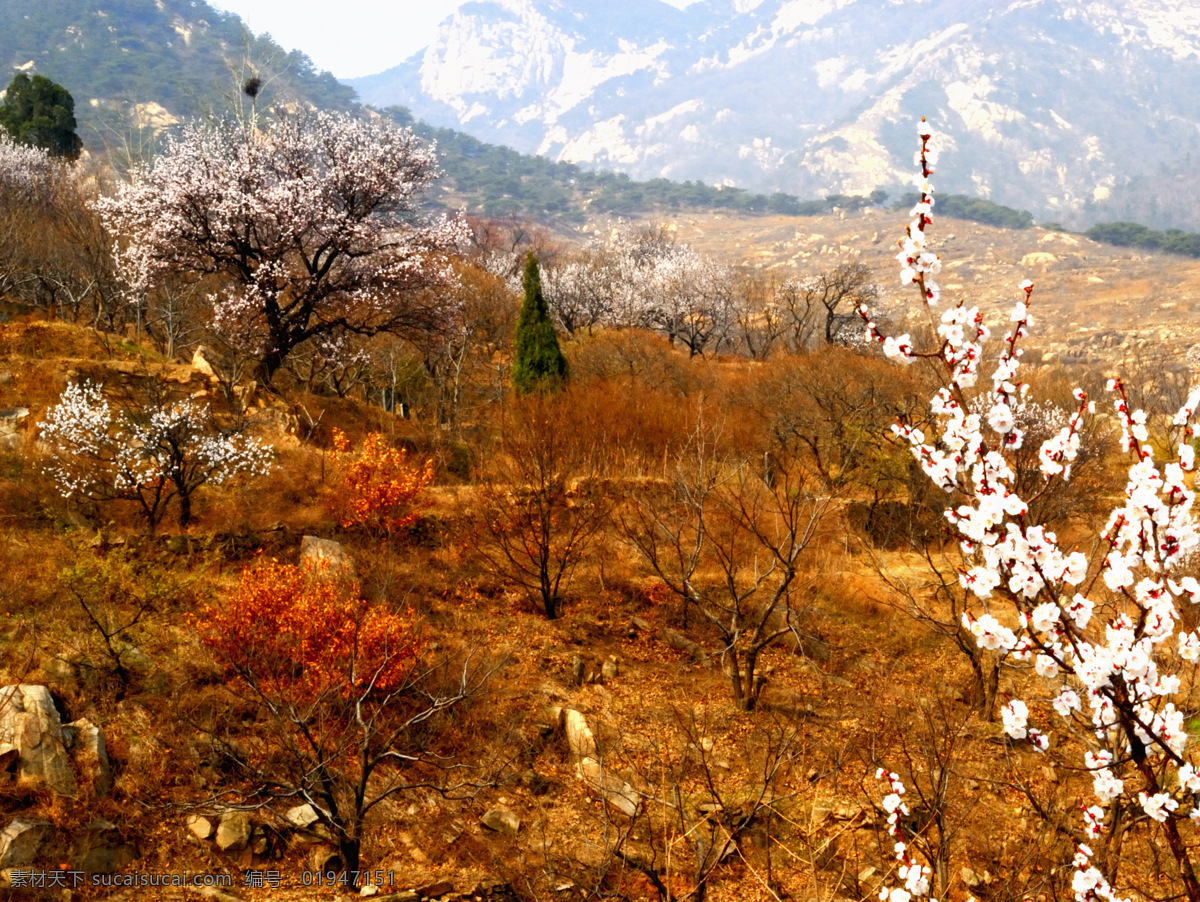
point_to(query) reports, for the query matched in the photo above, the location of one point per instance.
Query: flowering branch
(1110, 659)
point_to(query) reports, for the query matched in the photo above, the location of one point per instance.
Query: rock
(233, 831)
(369, 890)
(683, 643)
(324, 859)
(12, 443)
(433, 890)
(580, 741)
(10, 419)
(325, 556)
(970, 878)
(20, 842)
(536, 783)
(577, 670)
(502, 821)
(60, 671)
(610, 668)
(201, 827)
(202, 367)
(86, 744)
(302, 816)
(103, 851)
(615, 791)
(642, 626)
(29, 722)
(453, 832)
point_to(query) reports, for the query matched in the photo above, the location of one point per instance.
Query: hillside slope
(135, 63)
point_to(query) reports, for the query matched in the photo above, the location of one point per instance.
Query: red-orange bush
(297, 634)
(379, 485)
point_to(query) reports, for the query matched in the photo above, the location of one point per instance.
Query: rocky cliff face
(1047, 105)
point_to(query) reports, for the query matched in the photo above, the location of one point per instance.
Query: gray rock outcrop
(20, 842)
(30, 723)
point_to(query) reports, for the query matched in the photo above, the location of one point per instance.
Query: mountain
(148, 63)
(1054, 106)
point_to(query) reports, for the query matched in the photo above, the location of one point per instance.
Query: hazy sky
(350, 37)
(347, 37)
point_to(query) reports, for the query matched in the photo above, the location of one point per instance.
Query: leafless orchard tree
(732, 545)
(542, 504)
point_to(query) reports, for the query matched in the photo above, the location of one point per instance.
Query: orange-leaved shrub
(379, 485)
(303, 633)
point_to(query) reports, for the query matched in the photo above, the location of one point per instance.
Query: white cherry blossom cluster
(314, 224)
(643, 279)
(915, 876)
(173, 448)
(24, 171)
(1117, 676)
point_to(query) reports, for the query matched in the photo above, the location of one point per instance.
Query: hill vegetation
(646, 636)
(137, 64)
(497, 181)
(1130, 234)
(302, 590)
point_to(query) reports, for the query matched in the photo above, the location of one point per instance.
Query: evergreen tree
(539, 364)
(38, 112)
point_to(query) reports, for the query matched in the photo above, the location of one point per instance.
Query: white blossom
(149, 456)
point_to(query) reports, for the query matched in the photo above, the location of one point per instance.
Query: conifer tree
(539, 364)
(40, 113)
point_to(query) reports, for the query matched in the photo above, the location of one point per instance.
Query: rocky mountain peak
(813, 97)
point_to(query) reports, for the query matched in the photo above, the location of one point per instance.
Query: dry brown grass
(858, 693)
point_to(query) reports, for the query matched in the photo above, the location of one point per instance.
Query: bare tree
(732, 544)
(543, 503)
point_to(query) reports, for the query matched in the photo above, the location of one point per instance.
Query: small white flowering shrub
(1106, 636)
(150, 457)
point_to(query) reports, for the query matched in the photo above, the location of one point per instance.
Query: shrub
(379, 485)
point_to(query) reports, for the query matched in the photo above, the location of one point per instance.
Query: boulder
(681, 642)
(581, 743)
(202, 367)
(234, 831)
(85, 743)
(30, 723)
(102, 849)
(502, 821)
(302, 816)
(202, 827)
(325, 556)
(20, 842)
(615, 791)
(325, 859)
(10, 419)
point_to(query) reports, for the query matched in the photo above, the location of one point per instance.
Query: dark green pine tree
(539, 364)
(38, 112)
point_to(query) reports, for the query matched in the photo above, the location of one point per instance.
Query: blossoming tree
(1109, 638)
(313, 224)
(148, 456)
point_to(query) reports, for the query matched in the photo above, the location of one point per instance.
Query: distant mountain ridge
(1049, 105)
